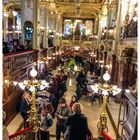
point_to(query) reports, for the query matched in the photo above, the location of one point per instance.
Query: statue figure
(77, 32)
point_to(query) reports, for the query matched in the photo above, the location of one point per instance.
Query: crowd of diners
(15, 46)
(52, 105)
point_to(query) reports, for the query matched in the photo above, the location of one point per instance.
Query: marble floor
(91, 112)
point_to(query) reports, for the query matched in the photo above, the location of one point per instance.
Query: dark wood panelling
(19, 65)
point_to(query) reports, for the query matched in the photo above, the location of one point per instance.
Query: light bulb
(14, 13)
(6, 81)
(5, 14)
(106, 76)
(33, 72)
(135, 18)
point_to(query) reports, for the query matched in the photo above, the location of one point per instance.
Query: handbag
(67, 133)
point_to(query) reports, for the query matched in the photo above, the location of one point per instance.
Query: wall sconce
(135, 18)
(5, 14)
(14, 13)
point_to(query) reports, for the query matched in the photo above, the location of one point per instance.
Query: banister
(106, 135)
(20, 132)
(17, 53)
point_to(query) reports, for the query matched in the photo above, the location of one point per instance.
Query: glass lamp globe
(33, 72)
(106, 76)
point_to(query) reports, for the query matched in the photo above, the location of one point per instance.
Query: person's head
(63, 102)
(15, 43)
(4, 44)
(62, 71)
(77, 108)
(25, 43)
(74, 98)
(26, 96)
(49, 108)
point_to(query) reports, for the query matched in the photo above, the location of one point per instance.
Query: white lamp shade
(25, 82)
(115, 92)
(105, 92)
(96, 89)
(15, 83)
(42, 87)
(33, 72)
(32, 88)
(106, 76)
(43, 82)
(119, 90)
(21, 85)
(46, 84)
(127, 91)
(114, 87)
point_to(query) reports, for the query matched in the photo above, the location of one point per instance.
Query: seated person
(5, 48)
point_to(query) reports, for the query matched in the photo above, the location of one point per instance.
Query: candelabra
(105, 90)
(33, 85)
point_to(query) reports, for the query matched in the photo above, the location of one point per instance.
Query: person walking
(78, 126)
(73, 100)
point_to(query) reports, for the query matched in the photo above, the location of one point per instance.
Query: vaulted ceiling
(77, 8)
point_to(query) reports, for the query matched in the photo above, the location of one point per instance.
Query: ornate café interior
(69, 69)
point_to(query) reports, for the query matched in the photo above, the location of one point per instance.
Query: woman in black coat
(78, 126)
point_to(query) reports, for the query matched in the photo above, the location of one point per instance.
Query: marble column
(14, 27)
(99, 31)
(116, 36)
(45, 43)
(54, 28)
(113, 68)
(22, 21)
(116, 72)
(5, 28)
(96, 23)
(35, 24)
